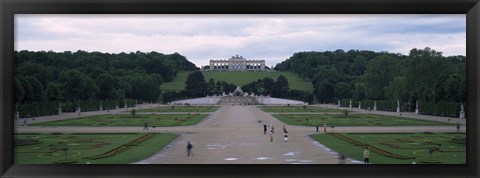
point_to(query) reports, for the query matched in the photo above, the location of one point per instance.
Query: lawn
(280, 109)
(239, 79)
(126, 120)
(181, 109)
(177, 84)
(340, 120)
(48, 148)
(399, 148)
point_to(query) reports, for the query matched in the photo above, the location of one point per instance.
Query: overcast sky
(271, 37)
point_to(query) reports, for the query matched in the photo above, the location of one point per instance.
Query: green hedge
(368, 104)
(38, 109)
(447, 109)
(51, 108)
(344, 102)
(443, 108)
(387, 105)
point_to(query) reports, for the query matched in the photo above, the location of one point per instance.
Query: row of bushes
(36, 109)
(447, 109)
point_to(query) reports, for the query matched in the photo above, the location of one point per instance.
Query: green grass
(280, 109)
(177, 84)
(81, 146)
(126, 120)
(239, 79)
(414, 145)
(339, 120)
(181, 109)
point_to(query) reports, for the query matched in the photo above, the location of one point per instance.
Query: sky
(273, 38)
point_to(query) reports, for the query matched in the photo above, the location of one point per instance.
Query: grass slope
(239, 79)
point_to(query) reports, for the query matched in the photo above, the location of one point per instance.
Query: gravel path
(234, 134)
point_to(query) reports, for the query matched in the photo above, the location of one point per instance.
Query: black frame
(10, 7)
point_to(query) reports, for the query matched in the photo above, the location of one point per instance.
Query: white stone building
(237, 63)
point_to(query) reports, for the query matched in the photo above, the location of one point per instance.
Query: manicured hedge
(447, 109)
(38, 109)
(51, 108)
(443, 108)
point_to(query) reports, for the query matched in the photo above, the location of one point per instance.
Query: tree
(280, 88)
(39, 71)
(195, 84)
(211, 87)
(19, 91)
(282, 83)
(145, 88)
(194, 79)
(397, 89)
(343, 90)
(267, 85)
(105, 83)
(54, 91)
(421, 69)
(324, 91)
(77, 86)
(27, 88)
(37, 89)
(358, 92)
(378, 75)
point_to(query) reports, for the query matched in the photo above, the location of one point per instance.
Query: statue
(398, 106)
(416, 107)
(462, 112)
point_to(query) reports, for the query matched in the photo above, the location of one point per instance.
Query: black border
(10, 7)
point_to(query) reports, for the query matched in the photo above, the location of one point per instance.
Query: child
(271, 136)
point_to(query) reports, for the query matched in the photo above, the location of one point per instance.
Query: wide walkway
(234, 134)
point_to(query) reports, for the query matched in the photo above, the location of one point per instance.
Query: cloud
(270, 37)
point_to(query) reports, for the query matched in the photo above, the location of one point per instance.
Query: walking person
(366, 155)
(342, 158)
(317, 127)
(145, 126)
(458, 127)
(265, 129)
(24, 122)
(189, 149)
(285, 137)
(325, 127)
(271, 136)
(272, 129)
(284, 129)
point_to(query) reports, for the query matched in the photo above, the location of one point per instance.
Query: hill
(239, 79)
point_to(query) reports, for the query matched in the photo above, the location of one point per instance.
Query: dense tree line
(423, 74)
(279, 89)
(76, 76)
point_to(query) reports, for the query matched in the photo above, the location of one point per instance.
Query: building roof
(237, 58)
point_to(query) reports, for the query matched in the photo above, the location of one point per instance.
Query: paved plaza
(234, 135)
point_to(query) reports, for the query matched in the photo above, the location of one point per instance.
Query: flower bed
(184, 120)
(372, 148)
(122, 148)
(297, 120)
(23, 142)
